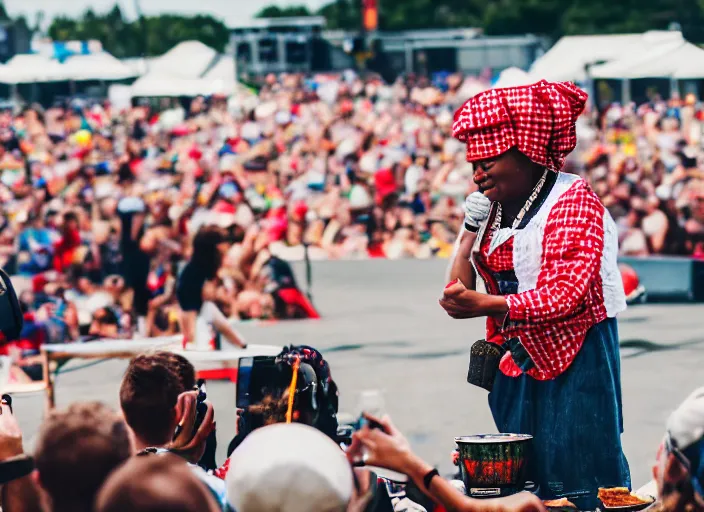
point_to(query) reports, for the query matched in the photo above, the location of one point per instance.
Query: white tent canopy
(96, 66)
(30, 68)
(224, 69)
(157, 85)
(569, 57)
(513, 77)
(189, 69)
(682, 61)
(37, 68)
(189, 59)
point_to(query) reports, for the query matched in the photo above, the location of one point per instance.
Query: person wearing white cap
(679, 470)
(292, 468)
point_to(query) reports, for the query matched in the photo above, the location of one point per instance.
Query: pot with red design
(494, 464)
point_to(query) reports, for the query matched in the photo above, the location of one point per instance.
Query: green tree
(274, 11)
(124, 38)
(342, 14)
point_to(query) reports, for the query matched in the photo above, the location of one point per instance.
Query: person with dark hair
(538, 257)
(186, 373)
(161, 413)
(181, 367)
(148, 396)
(196, 291)
(76, 451)
(105, 324)
(164, 484)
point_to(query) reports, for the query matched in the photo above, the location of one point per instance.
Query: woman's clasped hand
(460, 302)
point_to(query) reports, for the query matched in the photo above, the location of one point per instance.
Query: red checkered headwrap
(538, 119)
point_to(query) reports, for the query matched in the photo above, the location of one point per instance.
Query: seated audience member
(155, 484)
(387, 448)
(162, 416)
(104, 324)
(77, 449)
(679, 470)
(292, 467)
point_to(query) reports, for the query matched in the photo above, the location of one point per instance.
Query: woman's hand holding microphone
(476, 211)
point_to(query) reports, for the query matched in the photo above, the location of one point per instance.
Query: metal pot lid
(492, 438)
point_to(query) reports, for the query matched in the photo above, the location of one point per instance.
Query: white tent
(569, 57)
(6, 75)
(513, 77)
(224, 69)
(189, 59)
(157, 85)
(96, 66)
(189, 69)
(38, 68)
(30, 68)
(681, 61)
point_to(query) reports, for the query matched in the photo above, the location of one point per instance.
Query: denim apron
(575, 419)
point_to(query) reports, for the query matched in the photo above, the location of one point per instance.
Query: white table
(127, 349)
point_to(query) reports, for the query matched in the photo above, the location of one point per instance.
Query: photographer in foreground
(310, 398)
(387, 448)
(163, 418)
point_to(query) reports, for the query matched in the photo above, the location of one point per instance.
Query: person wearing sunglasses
(679, 467)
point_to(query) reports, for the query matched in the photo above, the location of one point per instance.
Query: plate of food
(561, 505)
(620, 499)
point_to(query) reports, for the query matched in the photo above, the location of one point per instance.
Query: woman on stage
(544, 249)
(196, 290)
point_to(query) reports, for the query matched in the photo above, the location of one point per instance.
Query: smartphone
(373, 424)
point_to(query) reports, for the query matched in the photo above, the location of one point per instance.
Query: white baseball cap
(289, 467)
(685, 428)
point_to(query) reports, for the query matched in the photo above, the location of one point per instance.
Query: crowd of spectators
(99, 205)
(154, 456)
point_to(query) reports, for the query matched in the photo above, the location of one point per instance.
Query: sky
(232, 12)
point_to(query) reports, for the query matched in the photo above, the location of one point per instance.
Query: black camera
(316, 392)
(201, 406)
(11, 316)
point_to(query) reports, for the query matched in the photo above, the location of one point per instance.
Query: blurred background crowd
(99, 205)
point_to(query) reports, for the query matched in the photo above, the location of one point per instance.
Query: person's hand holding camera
(383, 447)
(190, 442)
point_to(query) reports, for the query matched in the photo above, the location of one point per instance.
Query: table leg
(48, 381)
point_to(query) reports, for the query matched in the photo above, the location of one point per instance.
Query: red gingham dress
(552, 320)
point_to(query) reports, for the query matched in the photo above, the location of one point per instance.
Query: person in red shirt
(66, 246)
(545, 251)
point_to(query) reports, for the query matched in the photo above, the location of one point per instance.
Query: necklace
(529, 202)
(500, 235)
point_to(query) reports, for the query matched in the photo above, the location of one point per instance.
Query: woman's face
(508, 177)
